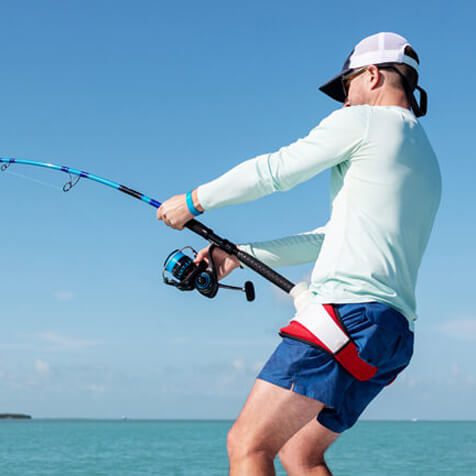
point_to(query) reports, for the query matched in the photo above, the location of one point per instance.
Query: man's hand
(174, 212)
(224, 262)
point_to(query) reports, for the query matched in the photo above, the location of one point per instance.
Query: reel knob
(249, 291)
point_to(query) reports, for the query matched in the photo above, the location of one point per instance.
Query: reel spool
(181, 271)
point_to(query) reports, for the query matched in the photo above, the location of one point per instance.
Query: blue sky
(164, 96)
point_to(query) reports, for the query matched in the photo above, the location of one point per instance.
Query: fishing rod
(179, 268)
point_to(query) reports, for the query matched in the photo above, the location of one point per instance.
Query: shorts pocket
(376, 344)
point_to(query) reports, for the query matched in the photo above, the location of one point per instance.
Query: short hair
(409, 73)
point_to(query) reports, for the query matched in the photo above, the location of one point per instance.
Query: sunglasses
(347, 78)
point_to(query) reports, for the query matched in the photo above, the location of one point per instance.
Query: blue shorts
(383, 338)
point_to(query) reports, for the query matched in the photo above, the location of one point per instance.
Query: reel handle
(248, 289)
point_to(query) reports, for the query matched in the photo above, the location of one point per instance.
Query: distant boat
(14, 416)
(414, 419)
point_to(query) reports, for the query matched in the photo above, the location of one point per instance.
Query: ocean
(197, 448)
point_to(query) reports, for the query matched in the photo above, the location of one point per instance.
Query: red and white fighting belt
(319, 325)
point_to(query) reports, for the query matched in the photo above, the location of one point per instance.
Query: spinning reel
(187, 276)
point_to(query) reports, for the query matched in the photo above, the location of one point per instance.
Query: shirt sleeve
(287, 251)
(333, 141)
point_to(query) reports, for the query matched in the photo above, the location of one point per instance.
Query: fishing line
(179, 267)
(56, 188)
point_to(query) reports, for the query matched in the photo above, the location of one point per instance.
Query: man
(386, 188)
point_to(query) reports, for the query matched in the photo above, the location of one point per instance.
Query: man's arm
(333, 141)
(287, 251)
(330, 143)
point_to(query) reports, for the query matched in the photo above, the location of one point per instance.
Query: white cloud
(455, 370)
(257, 366)
(63, 296)
(241, 366)
(96, 389)
(42, 367)
(61, 342)
(462, 329)
(238, 364)
(261, 342)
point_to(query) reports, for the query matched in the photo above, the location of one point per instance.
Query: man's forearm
(289, 250)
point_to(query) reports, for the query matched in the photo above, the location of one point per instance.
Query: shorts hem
(296, 388)
(330, 427)
(302, 391)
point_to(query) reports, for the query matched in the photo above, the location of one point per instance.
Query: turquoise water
(197, 448)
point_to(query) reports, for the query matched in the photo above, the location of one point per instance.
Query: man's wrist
(196, 202)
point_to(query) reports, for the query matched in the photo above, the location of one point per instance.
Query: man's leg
(303, 454)
(270, 417)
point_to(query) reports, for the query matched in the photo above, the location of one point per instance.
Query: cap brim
(334, 88)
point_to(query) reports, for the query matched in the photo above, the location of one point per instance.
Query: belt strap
(319, 325)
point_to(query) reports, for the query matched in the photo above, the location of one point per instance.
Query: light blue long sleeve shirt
(385, 192)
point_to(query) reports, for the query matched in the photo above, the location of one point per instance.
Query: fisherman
(385, 191)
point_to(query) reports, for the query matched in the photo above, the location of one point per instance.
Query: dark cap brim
(334, 88)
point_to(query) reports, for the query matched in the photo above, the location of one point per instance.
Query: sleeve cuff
(202, 198)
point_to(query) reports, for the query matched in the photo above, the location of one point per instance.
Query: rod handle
(265, 271)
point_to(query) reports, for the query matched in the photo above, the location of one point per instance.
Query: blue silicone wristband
(190, 205)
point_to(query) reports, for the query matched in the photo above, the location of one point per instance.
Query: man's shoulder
(348, 111)
(351, 120)
(349, 114)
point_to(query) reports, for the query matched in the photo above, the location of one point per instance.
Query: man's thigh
(306, 448)
(270, 417)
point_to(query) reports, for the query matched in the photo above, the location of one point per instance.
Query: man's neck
(392, 98)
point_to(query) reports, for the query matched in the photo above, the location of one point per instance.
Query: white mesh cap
(381, 48)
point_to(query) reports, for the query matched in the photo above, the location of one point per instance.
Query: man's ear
(375, 77)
